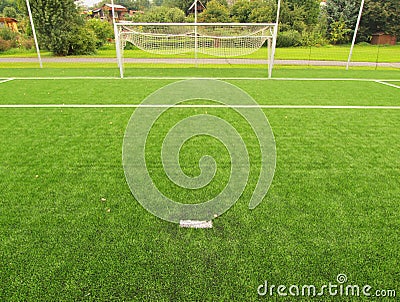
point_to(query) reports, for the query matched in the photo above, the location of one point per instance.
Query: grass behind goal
(71, 230)
(290, 62)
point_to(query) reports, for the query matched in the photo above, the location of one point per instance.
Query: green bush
(10, 11)
(4, 45)
(82, 42)
(313, 37)
(59, 27)
(79, 41)
(163, 14)
(263, 14)
(339, 33)
(240, 11)
(102, 30)
(215, 12)
(26, 43)
(288, 39)
(7, 34)
(8, 39)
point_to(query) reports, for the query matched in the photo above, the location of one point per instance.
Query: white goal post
(224, 40)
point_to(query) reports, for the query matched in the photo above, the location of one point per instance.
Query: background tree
(215, 12)
(103, 31)
(308, 9)
(241, 10)
(158, 14)
(60, 28)
(341, 17)
(10, 11)
(157, 2)
(181, 4)
(380, 16)
(10, 3)
(253, 11)
(135, 4)
(263, 11)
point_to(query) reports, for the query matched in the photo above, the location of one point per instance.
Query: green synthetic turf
(362, 53)
(166, 70)
(70, 228)
(397, 83)
(274, 92)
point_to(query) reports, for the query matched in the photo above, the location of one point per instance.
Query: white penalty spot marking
(195, 224)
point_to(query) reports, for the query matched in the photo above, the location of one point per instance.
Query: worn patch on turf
(194, 224)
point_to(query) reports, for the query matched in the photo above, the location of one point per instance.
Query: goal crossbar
(196, 24)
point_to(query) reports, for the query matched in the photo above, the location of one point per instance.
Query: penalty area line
(388, 84)
(171, 78)
(195, 106)
(6, 80)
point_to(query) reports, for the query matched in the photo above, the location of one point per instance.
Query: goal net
(223, 40)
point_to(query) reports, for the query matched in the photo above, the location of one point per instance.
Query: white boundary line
(205, 78)
(388, 84)
(194, 106)
(6, 80)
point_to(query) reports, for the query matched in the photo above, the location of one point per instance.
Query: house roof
(8, 20)
(199, 5)
(116, 6)
(109, 8)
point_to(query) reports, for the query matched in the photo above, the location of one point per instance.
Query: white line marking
(388, 84)
(205, 78)
(196, 224)
(6, 80)
(67, 78)
(195, 106)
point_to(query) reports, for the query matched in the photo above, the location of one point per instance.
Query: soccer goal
(219, 40)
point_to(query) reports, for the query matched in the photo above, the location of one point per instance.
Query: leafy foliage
(181, 4)
(10, 11)
(241, 10)
(81, 42)
(262, 14)
(7, 34)
(60, 28)
(341, 17)
(254, 11)
(381, 16)
(163, 14)
(102, 30)
(215, 12)
(308, 9)
(10, 4)
(302, 22)
(339, 33)
(135, 4)
(7, 39)
(288, 39)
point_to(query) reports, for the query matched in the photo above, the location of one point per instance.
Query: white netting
(223, 40)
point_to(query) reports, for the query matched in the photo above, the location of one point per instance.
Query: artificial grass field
(70, 229)
(361, 53)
